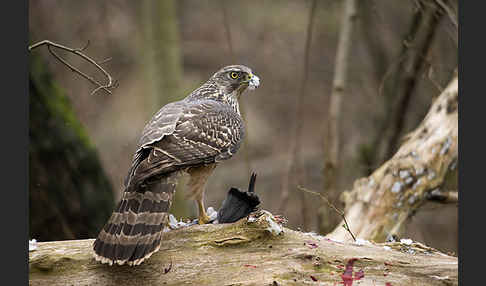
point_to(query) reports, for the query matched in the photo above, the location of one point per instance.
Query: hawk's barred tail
(134, 230)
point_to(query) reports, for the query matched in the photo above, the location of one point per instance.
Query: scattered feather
(406, 241)
(274, 227)
(212, 213)
(360, 241)
(32, 244)
(174, 224)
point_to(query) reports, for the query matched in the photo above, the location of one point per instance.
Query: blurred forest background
(159, 51)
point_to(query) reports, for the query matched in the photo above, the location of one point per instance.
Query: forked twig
(107, 87)
(340, 212)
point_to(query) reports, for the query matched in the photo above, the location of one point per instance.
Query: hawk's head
(235, 78)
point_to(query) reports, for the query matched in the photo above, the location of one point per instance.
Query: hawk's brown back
(206, 131)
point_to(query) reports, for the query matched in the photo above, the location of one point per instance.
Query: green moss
(70, 195)
(58, 104)
(56, 265)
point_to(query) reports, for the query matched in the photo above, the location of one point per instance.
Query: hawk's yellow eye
(234, 75)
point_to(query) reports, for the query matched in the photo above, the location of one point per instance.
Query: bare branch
(389, 72)
(452, 16)
(422, 43)
(438, 196)
(111, 84)
(85, 47)
(430, 77)
(340, 212)
(105, 60)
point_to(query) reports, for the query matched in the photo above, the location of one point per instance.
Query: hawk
(192, 135)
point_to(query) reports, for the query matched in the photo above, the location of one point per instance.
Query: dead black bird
(238, 204)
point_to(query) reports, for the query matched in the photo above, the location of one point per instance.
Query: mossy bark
(70, 196)
(251, 251)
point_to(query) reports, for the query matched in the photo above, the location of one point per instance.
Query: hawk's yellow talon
(203, 218)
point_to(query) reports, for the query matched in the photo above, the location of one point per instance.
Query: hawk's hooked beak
(254, 82)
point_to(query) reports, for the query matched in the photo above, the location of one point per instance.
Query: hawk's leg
(203, 217)
(197, 183)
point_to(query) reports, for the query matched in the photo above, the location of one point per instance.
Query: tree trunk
(252, 251)
(70, 196)
(161, 49)
(379, 205)
(163, 69)
(331, 146)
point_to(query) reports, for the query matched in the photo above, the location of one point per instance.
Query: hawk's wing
(185, 134)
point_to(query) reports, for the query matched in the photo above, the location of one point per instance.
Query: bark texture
(248, 252)
(379, 205)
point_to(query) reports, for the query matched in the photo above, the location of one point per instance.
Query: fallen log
(256, 250)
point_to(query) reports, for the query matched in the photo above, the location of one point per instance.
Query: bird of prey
(191, 135)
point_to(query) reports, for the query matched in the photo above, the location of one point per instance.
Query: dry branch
(338, 211)
(111, 84)
(379, 205)
(246, 253)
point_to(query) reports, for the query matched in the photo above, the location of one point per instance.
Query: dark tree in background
(70, 196)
